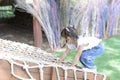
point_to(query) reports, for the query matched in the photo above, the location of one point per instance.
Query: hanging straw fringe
(42, 10)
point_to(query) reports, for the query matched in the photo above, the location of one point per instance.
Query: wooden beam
(37, 27)
(37, 33)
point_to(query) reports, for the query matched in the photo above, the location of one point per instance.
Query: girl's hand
(72, 65)
(59, 61)
(63, 56)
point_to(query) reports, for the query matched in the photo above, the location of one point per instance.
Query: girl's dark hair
(69, 31)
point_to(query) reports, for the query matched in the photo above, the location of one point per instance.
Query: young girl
(88, 48)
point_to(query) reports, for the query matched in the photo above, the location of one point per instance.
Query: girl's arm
(64, 55)
(77, 56)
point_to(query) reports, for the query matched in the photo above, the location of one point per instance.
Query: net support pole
(37, 33)
(37, 29)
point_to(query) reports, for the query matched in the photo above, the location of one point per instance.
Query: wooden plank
(47, 70)
(49, 73)
(37, 33)
(90, 76)
(54, 74)
(5, 71)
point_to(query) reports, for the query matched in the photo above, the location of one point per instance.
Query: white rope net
(13, 51)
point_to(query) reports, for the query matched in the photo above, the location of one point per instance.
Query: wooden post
(37, 33)
(37, 27)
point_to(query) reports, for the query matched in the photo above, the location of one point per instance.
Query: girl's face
(70, 40)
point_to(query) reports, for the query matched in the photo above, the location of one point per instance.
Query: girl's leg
(87, 57)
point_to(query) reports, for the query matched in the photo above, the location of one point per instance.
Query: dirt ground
(19, 34)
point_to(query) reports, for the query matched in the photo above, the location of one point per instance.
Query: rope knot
(25, 67)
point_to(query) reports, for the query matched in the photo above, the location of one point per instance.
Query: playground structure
(23, 62)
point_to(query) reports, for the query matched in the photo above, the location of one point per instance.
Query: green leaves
(6, 12)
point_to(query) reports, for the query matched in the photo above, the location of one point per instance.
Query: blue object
(87, 57)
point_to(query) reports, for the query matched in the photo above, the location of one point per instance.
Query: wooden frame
(49, 73)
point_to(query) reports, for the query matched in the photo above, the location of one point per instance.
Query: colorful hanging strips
(47, 13)
(114, 17)
(98, 18)
(54, 21)
(103, 17)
